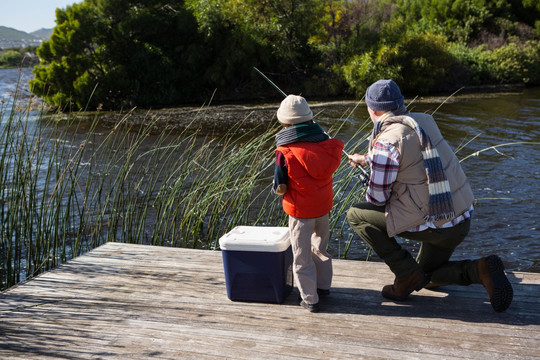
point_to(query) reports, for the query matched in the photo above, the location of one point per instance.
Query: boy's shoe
(311, 307)
(323, 292)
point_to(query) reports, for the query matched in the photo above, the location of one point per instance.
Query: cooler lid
(256, 238)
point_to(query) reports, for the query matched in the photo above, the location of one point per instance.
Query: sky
(31, 15)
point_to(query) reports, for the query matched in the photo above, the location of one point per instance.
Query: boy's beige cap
(293, 110)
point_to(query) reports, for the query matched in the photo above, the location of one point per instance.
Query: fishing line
(364, 176)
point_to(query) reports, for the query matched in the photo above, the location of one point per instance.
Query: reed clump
(67, 187)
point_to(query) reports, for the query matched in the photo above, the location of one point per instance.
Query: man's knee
(353, 216)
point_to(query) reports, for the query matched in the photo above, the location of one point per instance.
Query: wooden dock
(132, 301)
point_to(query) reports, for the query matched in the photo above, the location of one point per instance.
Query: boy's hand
(281, 189)
(356, 159)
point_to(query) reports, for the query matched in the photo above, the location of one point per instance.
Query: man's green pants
(368, 221)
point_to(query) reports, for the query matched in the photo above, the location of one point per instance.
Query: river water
(505, 179)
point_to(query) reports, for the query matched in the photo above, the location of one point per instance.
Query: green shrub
(512, 63)
(417, 63)
(11, 58)
(517, 63)
(474, 64)
(367, 68)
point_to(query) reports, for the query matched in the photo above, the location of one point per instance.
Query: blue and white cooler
(258, 263)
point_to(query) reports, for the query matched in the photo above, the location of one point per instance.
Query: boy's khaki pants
(312, 265)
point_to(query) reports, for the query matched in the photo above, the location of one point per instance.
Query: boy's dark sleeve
(280, 174)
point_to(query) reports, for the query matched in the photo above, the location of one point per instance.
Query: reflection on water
(505, 179)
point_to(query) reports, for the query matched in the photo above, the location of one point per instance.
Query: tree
(122, 53)
(117, 53)
(71, 62)
(232, 49)
(274, 35)
(468, 20)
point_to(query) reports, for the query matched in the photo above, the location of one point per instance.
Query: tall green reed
(69, 186)
(66, 190)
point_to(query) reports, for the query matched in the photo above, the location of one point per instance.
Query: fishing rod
(364, 176)
(270, 81)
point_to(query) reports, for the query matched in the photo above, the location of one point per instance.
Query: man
(418, 190)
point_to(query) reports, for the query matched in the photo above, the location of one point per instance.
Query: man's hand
(357, 160)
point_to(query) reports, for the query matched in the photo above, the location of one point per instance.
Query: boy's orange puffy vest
(310, 168)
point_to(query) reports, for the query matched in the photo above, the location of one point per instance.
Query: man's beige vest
(408, 203)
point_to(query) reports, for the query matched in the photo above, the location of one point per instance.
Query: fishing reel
(363, 177)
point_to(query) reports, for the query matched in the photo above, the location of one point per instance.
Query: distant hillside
(12, 34)
(42, 34)
(11, 38)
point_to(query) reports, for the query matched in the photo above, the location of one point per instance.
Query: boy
(306, 159)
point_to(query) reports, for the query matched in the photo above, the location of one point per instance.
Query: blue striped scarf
(441, 206)
(309, 132)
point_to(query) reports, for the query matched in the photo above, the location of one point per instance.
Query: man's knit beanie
(294, 110)
(384, 95)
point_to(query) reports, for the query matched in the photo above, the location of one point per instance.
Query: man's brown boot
(492, 276)
(405, 285)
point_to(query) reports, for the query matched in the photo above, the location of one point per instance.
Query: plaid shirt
(384, 162)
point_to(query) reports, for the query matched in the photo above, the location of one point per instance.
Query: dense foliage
(19, 57)
(118, 53)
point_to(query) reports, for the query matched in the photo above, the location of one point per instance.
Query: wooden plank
(138, 301)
